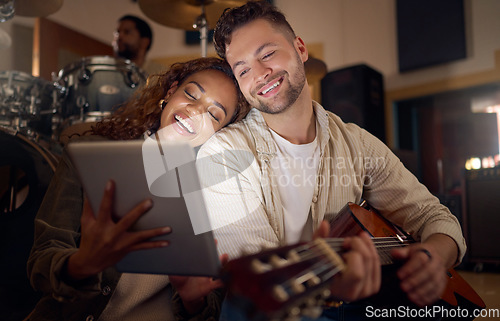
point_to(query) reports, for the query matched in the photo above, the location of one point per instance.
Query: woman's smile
(183, 125)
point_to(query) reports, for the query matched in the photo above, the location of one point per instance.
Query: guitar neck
(383, 245)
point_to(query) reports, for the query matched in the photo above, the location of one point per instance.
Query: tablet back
(141, 171)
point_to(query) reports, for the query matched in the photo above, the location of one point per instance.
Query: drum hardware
(84, 76)
(60, 89)
(188, 14)
(182, 14)
(6, 10)
(27, 103)
(21, 100)
(133, 79)
(28, 8)
(92, 87)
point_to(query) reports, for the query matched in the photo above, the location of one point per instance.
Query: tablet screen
(167, 174)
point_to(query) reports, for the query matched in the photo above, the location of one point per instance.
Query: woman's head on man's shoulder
(190, 101)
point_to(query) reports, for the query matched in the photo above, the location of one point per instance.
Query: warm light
(468, 165)
(475, 163)
(492, 109)
(491, 161)
(488, 162)
(485, 162)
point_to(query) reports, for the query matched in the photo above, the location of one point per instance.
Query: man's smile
(270, 87)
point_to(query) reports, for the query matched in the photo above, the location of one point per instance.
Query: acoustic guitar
(293, 280)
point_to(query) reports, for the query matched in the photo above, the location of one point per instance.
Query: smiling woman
(189, 102)
(199, 107)
(74, 250)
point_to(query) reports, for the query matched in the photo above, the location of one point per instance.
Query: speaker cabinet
(483, 215)
(356, 94)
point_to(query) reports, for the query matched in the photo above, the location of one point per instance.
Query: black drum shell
(24, 163)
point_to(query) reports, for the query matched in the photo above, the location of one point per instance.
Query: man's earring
(162, 104)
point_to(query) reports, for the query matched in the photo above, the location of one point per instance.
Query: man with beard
(275, 177)
(132, 39)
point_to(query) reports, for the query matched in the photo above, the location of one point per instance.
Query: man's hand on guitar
(423, 276)
(362, 274)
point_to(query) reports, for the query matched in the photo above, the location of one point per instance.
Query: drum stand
(201, 25)
(184, 14)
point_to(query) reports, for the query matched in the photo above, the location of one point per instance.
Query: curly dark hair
(141, 113)
(235, 18)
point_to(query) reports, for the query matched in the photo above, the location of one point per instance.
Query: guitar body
(353, 219)
(458, 294)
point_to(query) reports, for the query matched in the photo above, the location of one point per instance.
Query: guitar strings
(383, 245)
(325, 269)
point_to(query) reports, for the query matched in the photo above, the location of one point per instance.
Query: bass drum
(95, 86)
(26, 169)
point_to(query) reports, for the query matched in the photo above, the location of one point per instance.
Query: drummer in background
(132, 40)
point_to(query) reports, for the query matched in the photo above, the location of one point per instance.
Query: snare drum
(26, 102)
(95, 86)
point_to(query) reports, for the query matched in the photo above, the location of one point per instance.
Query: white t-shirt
(295, 167)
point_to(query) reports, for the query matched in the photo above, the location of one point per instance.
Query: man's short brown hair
(235, 18)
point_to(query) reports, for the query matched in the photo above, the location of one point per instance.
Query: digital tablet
(167, 174)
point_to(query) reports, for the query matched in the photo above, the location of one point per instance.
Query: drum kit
(87, 90)
(36, 113)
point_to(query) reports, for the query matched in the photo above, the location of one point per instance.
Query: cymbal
(182, 14)
(36, 8)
